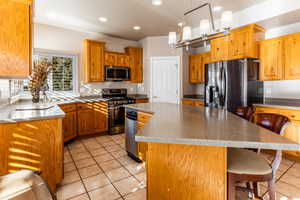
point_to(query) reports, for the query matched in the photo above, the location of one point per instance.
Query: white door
(165, 79)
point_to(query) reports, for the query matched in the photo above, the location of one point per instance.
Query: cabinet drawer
(144, 117)
(84, 106)
(140, 125)
(199, 103)
(68, 108)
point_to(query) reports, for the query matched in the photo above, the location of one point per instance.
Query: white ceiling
(124, 14)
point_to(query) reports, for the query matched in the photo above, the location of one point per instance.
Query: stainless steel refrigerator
(232, 84)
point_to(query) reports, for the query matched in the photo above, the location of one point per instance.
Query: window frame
(75, 58)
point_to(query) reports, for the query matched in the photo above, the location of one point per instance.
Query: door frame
(179, 72)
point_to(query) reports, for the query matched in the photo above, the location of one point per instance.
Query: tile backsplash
(283, 89)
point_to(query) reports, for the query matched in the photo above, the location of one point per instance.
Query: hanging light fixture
(207, 29)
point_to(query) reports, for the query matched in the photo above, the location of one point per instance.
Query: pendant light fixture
(207, 29)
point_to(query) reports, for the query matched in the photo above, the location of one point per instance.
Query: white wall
(70, 41)
(158, 47)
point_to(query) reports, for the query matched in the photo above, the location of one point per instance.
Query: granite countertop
(25, 110)
(180, 124)
(281, 103)
(193, 97)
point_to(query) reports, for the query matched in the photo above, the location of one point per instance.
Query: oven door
(116, 120)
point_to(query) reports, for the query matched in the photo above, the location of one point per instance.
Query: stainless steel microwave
(117, 73)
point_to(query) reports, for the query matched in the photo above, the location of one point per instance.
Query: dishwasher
(130, 131)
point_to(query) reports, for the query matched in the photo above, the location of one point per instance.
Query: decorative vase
(35, 95)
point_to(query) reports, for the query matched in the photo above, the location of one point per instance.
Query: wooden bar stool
(248, 166)
(246, 113)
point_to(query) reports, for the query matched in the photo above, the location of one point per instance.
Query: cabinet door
(85, 121)
(272, 59)
(292, 58)
(239, 44)
(15, 38)
(136, 63)
(94, 61)
(121, 60)
(206, 60)
(101, 117)
(192, 68)
(70, 126)
(110, 59)
(219, 49)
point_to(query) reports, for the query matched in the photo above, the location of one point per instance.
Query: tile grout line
(78, 174)
(279, 178)
(132, 175)
(102, 169)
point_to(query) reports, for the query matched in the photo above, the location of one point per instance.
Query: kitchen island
(187, 149)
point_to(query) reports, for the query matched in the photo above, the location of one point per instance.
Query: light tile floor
(98, 168)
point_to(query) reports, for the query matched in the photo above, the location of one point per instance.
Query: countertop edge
(221, 143)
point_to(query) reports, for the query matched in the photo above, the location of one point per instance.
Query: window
(62, 77)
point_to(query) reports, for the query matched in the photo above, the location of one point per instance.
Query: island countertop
(183, 124)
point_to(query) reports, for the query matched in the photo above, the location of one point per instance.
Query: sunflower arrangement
(38, 78)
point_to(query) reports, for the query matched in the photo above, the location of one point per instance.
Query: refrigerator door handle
(225, 86)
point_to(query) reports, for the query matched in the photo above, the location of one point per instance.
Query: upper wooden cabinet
(110, 59)
(15, 38)
(272, 59)
(241, 43)
(197, 67)
(94, 61)
(219, 49)
(116, 59)
(280, 59)
(244, 42)
(292, 58)
(136, 63)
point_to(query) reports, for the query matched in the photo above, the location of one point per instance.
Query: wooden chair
(246, 112)
(248, 166)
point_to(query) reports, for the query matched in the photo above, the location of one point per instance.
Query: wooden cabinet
(143, 118)
(92, 118)
(293, 132)
(142, 101)
(197, 103)
(15, 38)
(241, 43)
(117, 59)
(69, 124)
(244, 42)
(292, 58)
(85, 119)
(279, 58)
(94, 61)
(110, 59)
(219, 49)
(100, 116)
(272, 59)
(197, 67)
(136, 63)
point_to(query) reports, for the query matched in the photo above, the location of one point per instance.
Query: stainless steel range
(116, 112)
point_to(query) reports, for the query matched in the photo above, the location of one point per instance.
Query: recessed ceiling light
(102, 19)
(137, 28)
(156, 2)
(217, 8)
(180, 24)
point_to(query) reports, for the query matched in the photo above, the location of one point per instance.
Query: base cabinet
(69, 123)
(197, 103)
(85, 122)
(143, 118)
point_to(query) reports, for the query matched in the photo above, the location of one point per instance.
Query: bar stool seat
(243, 161)
(24, 185)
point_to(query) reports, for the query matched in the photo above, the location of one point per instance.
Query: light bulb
(204, 27)
(156, 2)
(187, 33)
(172, 38)
(226, 19)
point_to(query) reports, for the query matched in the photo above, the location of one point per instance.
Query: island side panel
(33, 145)
(186, 172)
